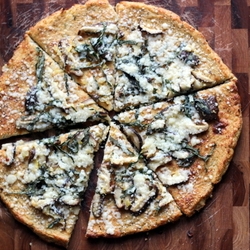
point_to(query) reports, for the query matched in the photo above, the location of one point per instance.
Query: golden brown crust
(116, 223)
(14, 84)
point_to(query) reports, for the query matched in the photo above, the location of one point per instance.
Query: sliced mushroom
(145, 192)
(109, 28)
(133, 136)
(150, 30)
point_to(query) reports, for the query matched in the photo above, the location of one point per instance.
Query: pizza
(132, 84)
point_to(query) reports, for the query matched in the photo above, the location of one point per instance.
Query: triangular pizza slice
(81, 39)
(42, 181)
(164, 57)
(37, 95)
(188, 142)
(129, 198)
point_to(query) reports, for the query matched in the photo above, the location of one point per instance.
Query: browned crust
(20, 68)
(121, 222)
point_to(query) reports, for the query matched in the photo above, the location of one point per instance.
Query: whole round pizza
(131, 84)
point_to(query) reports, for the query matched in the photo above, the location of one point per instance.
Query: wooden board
(224, 222)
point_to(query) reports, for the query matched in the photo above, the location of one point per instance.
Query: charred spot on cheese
(208, 108)
(188, 58)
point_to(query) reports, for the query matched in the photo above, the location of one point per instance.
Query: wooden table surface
(224, 222)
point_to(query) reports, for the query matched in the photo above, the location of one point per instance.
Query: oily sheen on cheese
(132, 85)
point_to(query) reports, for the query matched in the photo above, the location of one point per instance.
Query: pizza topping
(119, 150)
(160, 67)
(219, 126)
(133, 136)
(168, 177)
(188, 57)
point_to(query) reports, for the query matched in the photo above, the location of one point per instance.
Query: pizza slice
(129, 198)
(37, 95)
(81, 39)
(164, 57)
(42, 182)
(188, 142)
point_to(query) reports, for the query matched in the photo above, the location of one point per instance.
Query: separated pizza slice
(37, 95)
(129, 198)
(189, 141)
(81, 39)
(161, 57)
(42, 182)
(217, 144)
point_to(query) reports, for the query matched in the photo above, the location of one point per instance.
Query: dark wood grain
(224, 223)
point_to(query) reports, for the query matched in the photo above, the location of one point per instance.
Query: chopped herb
(40, 65)
(54, 223)
(188, 107)
(66, 83)
(31, 100)
(193, 153)
(122, 147)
